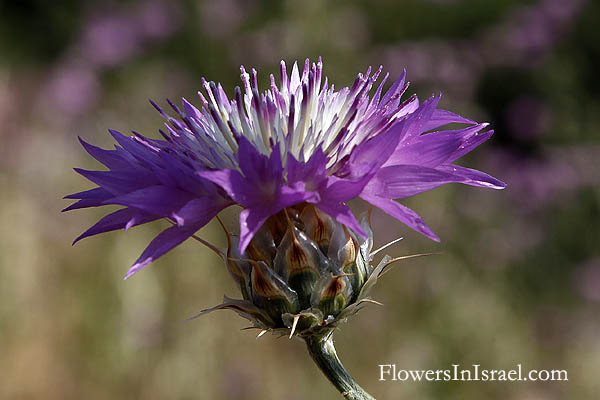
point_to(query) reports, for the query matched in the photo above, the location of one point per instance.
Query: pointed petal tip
(136, 267)
(78, 238)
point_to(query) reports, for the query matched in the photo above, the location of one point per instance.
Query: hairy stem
(323, 353)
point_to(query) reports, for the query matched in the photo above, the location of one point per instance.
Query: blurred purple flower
(156, 20)
(113, 37)
(297, 143)
(72, 89)
(109, 40)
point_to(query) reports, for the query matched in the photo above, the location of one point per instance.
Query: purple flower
(299, 142)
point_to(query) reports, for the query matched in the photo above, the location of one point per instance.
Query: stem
(322, 351)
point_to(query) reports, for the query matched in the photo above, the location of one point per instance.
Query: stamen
(283, 78)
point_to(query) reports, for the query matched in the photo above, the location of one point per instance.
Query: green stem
(322, 351)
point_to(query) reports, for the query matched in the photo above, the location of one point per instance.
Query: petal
(472, 177)
(204, 210)
(250, 222)
(119, 182)
(252, 218)
(313, 170)
(234, 184)
(257, 167)
(125, 218)
(343, 215)
(401, 181)
(143, 152)
(339, 190)
(89, 198)
(184, 176)
(164, 242)
(394, 91)
(191, 111)
(197, 208)
(96, 193)
(444, 117)
(368, 156)
(159, 200)
(415, 123)
(403, 214)
(470, 143)
(436, 148)
(428, 150)
(377, 95)
(110, 158)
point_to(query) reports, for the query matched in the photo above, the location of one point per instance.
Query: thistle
(290, 157)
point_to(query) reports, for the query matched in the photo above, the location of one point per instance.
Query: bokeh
(518, 277)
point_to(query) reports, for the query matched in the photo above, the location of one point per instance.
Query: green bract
(302, 274)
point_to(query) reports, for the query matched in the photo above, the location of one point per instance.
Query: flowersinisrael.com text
(389, 372)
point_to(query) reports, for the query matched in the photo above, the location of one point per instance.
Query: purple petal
(231, 181)
(197, 209)
(444, 117)
(472, 177)
(194, 215)
(250, 222)
(470, 143)
(257, 167)
(339, 190)
(96, 193)
(436, 148)
(427, 150)
(313, 170)
(164, 242)
(110, 158)
(343, 215)
(159, 200)
(415, 123)
(125, 218)
(377, 95)
(89, 198)
(368, 156)
(142, 152)
(401, 181)
(252, 218)
(120, 182)
(191, 111)
(395, 91)
(403, 214)
(185, 177)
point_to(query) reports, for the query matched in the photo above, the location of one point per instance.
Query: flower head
(299, 143)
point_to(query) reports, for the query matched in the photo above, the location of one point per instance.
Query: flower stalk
(322, 351)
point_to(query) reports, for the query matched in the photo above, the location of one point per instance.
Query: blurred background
(518, 280)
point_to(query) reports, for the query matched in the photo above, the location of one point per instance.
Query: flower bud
(303, 270)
